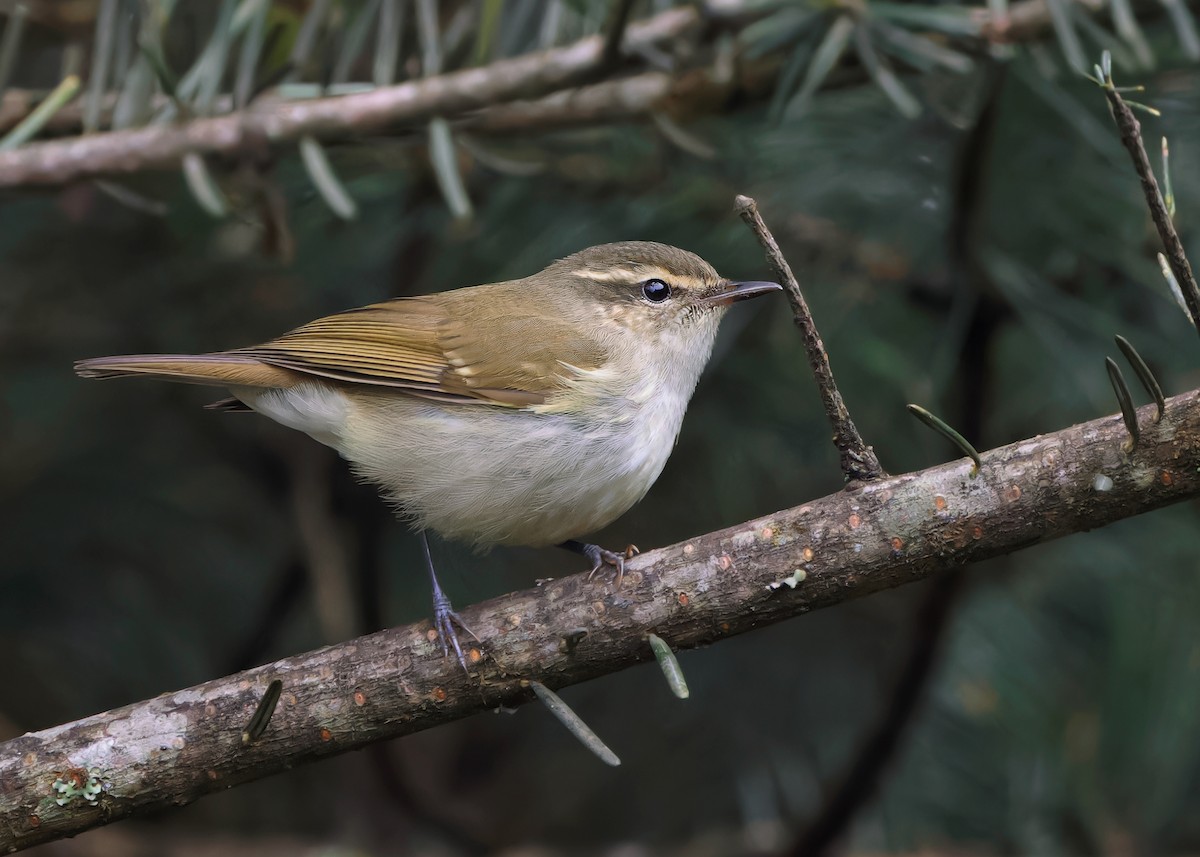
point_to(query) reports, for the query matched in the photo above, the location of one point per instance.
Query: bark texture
(179, 746)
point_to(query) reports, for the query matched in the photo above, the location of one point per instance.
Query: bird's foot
(444, 620)
(601, 557)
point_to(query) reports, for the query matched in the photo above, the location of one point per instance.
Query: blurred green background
(976, 258)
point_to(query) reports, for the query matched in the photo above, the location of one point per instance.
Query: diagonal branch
(870, 536)
(264, 124)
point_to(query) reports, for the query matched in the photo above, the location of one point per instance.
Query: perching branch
(859, 462)
(870, 536)
(263, 124)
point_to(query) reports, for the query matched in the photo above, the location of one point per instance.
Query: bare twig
(178, 746)
(859, 462)
(1131, 136)
(263, 124)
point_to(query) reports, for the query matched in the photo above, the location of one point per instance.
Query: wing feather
(444, 347)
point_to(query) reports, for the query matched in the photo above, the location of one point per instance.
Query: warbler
(527, 412)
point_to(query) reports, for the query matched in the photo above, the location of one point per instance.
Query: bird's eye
(656, 291)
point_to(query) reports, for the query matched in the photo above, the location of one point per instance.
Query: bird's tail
(222, 369)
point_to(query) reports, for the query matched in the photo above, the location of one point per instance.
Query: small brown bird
(527, 412)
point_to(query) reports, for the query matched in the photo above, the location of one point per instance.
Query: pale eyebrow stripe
(606, 276)
(624, 275)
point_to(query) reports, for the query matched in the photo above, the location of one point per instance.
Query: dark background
(976, 259)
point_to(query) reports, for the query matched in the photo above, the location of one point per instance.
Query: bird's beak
(735, 291)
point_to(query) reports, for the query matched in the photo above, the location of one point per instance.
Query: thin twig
(859, 462)
(1131, 136)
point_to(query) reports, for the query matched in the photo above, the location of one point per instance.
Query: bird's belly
(496, 476)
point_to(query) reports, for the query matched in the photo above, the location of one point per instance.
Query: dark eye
(656, 291)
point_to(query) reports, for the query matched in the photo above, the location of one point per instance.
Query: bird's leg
(599, 556)
(444, 617)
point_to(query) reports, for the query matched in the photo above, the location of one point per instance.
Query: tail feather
(230, 406)
(227, 370)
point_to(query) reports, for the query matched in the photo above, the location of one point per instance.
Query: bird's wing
(441, 347)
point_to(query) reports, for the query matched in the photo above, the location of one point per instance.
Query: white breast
(496, 476)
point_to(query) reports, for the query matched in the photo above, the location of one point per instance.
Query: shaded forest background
(970, 242)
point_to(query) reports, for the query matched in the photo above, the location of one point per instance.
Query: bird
(526, 412)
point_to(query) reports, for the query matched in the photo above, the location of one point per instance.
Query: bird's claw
(444, 620)
(601, 557)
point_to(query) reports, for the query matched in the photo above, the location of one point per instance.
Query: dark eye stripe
(656, 291)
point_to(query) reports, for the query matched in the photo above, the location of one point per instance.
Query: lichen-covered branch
(870, 536)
